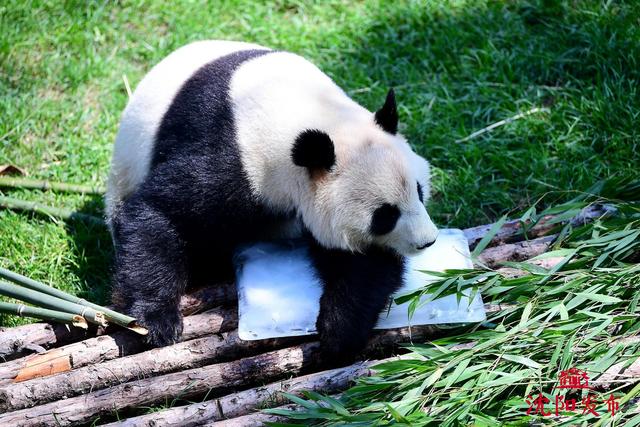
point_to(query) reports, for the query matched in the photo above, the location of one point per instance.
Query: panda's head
(368, 187)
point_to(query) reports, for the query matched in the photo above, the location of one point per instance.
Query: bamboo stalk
(20, 339)
(48, 301)
(42, 313)
(61, 213)
(107, 347)
(37, 184)
(111, 315)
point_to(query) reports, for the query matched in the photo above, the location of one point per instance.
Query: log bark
(255, 419)
(212, 378)
(208, 297)
(158, 361)
(512, 231)
(245, 402)
(186, 384)
(36, 337)
(99, 349)
(519, 251)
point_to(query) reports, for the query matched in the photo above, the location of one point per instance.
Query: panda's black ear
(313, 149)
(387, 116)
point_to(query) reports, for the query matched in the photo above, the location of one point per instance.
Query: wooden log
(36, 337)
(245, 402)
(186, 384)
(512, 231)
(255, 419)
(107, 347)
(208, 297)
(158, 361)
(212, 378)
(519, 251)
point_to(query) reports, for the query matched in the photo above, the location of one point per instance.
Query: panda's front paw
(165, 327)
(340, 339)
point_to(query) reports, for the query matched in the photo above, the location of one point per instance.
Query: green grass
(457, 66)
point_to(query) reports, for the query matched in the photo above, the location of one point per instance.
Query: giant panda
(224, 143)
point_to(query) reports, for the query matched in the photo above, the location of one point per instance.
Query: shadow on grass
(460, 69)
(92, 252)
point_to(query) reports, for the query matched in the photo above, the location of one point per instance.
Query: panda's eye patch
(420, 193)
(384, 219)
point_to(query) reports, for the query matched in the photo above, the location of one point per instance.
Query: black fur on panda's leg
(356, 288)
(150, 270)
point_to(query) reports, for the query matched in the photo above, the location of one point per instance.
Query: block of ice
(278, 294)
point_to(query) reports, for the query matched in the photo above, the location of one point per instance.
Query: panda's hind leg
(151, 269)
(356, 288)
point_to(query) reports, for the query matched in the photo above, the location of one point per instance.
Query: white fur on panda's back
(140, 120)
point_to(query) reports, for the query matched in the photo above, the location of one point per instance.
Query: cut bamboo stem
(39, 208)
(107, 347)
(37, 184)
(16, 341)
(51, 302)
(110, 315)
(42, 313)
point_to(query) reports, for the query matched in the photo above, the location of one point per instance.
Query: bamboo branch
(110, 315)
(20, 339)
(39, 298)
(107, 347)
(512, 231)
(39, 208)
(36, 184)
(42, 313)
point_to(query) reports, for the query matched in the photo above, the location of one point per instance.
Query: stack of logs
(54, 375)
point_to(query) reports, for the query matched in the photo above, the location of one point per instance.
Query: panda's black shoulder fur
(194, 206)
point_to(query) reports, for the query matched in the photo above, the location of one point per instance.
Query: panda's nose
(426, 245)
